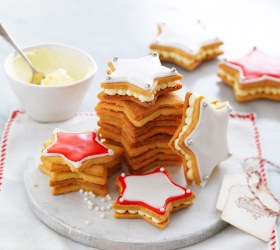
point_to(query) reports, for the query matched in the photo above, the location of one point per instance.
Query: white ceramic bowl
(52, 103)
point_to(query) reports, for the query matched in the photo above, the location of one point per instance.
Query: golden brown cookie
(120, 120)
(170, 104)
(138, 164)
(135, 151)
(73, 184)
(60, 176)
(114, 136)
(156, 163)
(134, 140)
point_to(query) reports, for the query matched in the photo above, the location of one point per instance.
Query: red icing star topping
(257, 64)
(153, 190)
(76, 147)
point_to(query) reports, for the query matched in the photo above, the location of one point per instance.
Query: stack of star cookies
(79, 160)
(139, 112)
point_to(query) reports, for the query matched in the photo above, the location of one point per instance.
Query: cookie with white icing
(256, 75)
(187, 45)
(139, 80)
(201, 139)
(152, 196)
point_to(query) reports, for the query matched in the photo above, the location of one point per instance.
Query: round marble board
(69, 215)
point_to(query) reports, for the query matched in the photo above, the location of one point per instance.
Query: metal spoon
(37, 76)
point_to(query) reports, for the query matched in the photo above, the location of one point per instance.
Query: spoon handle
(8, 38)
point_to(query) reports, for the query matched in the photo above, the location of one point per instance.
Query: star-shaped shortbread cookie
(140, 80)
(76, 148)
(151, 196)
(202, 137)
(257, 75)
(186, 44)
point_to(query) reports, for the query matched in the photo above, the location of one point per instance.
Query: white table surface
(125, 28)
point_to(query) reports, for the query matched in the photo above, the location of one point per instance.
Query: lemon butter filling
(188, 121)
(199, 56)
(252, 91)
(140, 212)
(142, 98)
(155, 220)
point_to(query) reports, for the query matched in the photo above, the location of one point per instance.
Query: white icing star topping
(188, 37)
(209, 138)
(154, 190)
(140, 72)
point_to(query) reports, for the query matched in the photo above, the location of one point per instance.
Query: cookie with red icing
(256, 75)
(75, 160)
(152, 196)
(201, 139)
(186, 44)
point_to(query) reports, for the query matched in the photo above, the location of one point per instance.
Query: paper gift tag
(243, 211)
(228, 182)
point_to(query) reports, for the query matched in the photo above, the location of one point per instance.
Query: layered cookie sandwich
(186, 44)
(79, 160)
(201, 139)
(257, 75)
(152, 196)
(143, 133)
(139, 80)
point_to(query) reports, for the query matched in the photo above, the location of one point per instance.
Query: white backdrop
(125, 28)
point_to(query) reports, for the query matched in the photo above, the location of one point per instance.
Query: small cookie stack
(138, 111)
(79, 160)
(187, 44)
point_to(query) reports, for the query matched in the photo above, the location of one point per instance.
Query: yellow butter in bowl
(59, 68)
(57, 77)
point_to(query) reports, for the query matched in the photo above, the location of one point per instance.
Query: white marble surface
(125, 28)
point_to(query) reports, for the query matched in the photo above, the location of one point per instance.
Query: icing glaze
(257, 66)
(209, 138)
(189, 37)
(76, 148)
(153, 190)
(140, 72)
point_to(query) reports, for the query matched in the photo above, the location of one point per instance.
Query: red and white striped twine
(250, 173)
(4, 142)
(273, 244)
